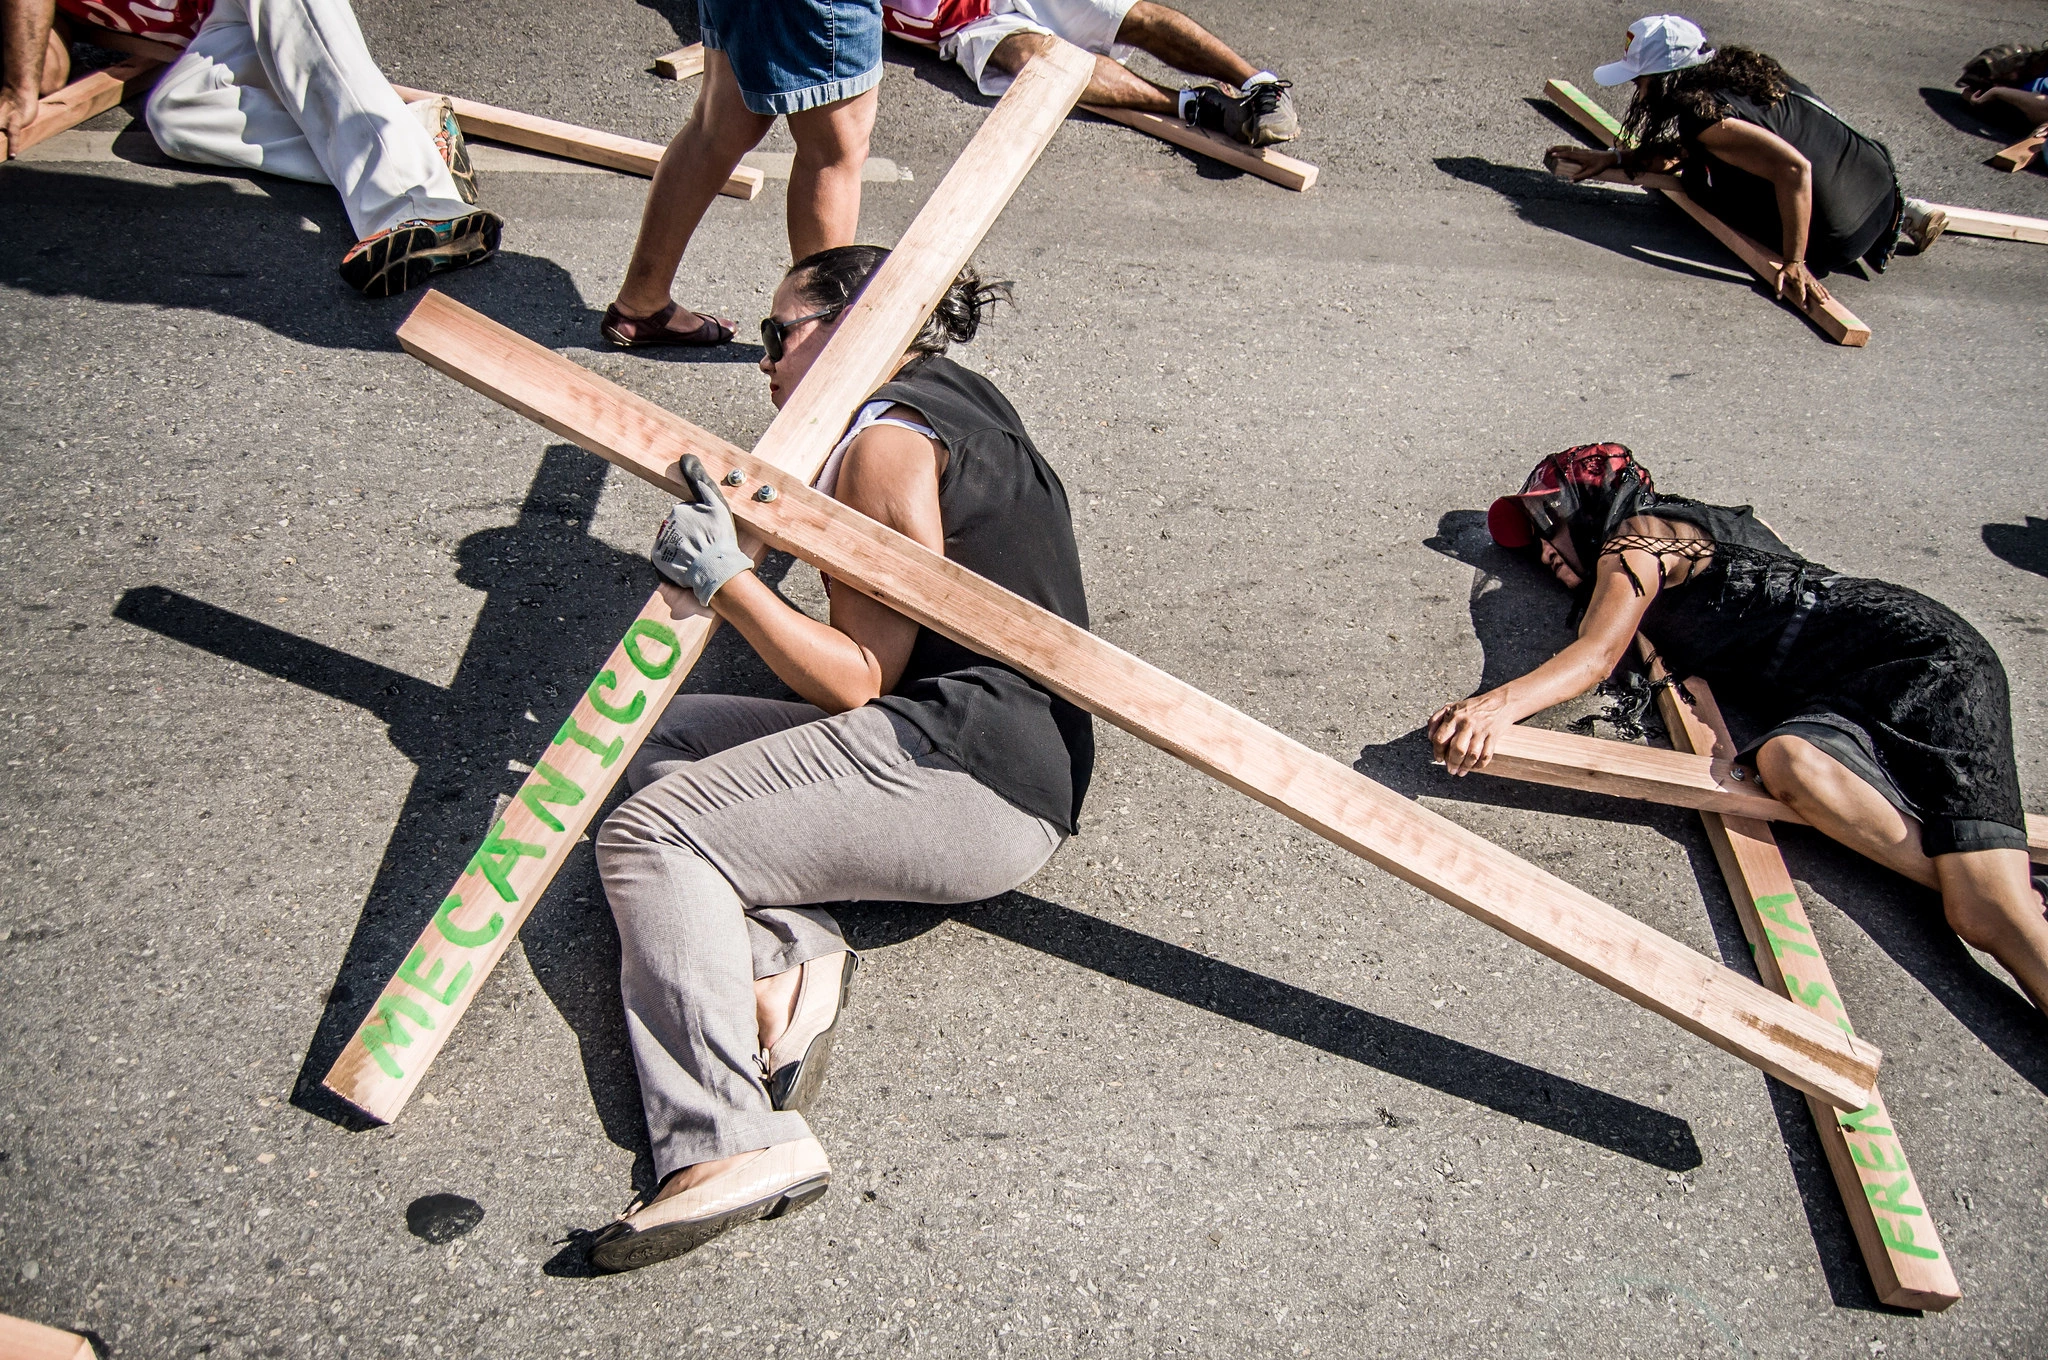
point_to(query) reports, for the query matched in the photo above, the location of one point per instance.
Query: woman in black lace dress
(1891, 729)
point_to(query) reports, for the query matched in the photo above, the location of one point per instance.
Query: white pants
(288, 87)
(1091, 25)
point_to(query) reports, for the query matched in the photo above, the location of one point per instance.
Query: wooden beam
(680, 64)
(588, 145)
(1625, 769)
(1264, 161)
(1896, 1234)
(2020, 155)
(1836, 321)
(1329, 798)
(2005, 226)
(21, 1339)
(410, 1021)
(83, 98)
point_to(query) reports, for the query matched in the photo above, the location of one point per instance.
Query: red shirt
(927, 21)
(176, 20)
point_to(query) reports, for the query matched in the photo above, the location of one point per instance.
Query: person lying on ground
(992, 39)
(913, 770)
(286, 87)
(1889, 720)
(815, 63)
(2012, 75)
(1760, 151)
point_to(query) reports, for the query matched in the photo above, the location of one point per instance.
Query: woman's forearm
(1573, 671)
(1795, 209)
(819, 662)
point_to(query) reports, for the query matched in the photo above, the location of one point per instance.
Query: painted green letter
(605, 754)
(384, 1032)
(1899, 1237)
(621, 715)
(444, 921)
(497, 857)
(409, 973)
(1858, 1121)
(549, 785)
(658, 632)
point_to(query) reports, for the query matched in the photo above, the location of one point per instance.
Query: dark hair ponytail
(833, 278)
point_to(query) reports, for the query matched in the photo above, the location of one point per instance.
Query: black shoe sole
(404, 260)
(619, 1248)
(795, 1085)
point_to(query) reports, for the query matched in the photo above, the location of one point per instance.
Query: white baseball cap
(1657, 43)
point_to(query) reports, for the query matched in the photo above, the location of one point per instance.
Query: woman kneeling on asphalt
(916, 771)
(1890, 728)
(1758, 150)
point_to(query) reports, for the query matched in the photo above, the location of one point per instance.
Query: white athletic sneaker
(1922, 224)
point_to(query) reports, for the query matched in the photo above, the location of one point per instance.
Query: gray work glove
(696, 545)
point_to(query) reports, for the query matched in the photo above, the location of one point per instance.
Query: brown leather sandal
(645, 332)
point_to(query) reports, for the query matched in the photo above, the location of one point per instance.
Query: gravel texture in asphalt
(286, 607)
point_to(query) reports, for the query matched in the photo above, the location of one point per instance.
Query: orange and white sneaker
(405, 256)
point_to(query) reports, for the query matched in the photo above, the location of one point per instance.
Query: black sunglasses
(774, 332)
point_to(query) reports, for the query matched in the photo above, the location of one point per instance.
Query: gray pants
(744, 811)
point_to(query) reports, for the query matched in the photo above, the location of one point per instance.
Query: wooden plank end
(745, 184)
(680, 64)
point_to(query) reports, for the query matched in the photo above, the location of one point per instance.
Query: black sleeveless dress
(1896, 686)
(1006, 517)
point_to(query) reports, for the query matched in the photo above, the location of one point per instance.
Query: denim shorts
(792, 55)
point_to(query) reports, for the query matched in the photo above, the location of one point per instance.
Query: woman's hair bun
(833, 278)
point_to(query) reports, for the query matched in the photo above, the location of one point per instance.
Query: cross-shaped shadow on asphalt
(556, 600)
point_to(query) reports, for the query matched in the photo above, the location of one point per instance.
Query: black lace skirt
(1881, 675)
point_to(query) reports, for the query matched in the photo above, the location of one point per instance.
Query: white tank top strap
(870, 414)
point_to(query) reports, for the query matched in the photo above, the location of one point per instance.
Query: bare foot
(775, 1003)
(691, 1177)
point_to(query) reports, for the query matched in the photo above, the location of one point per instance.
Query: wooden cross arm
(2004, 226)
(1885, 1205)
(84, 98)
(1837, 322)
(2021, 154)
(1328, 798)
(21, 1339)
(1264, 161)
(391, 1050)
(1624, 769)
(588, 145)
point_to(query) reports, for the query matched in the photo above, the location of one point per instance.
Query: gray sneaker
(1261, 116)
(1921, 223)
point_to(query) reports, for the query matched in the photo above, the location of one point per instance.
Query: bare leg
(774, 1001)
(824, 181)
(720, 130)
(56, 60)
(1990, 901)
(1182, 43)
(1111, 86)
(1843, 808)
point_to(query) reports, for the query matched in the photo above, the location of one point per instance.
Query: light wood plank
(2005, 226)
(21, 1339)
(1900, 1245)
(1567, 760)
(681, 64)
(2021, 154)
(1321, 794)
(84, 98)
(588, 145)
(1265, 162)
(385, 1059)
(1836, 321)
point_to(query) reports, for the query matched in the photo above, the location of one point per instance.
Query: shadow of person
(556, 600)
(681, 17)
(1999, 122)
(1637, 226)
(2020, 545)
(235, 244)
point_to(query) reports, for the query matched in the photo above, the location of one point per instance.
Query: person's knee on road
(1798, 774)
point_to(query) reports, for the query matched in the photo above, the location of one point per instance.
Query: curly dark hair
(834, 277)
(1654, 114)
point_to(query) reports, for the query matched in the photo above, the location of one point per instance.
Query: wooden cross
(772, 499)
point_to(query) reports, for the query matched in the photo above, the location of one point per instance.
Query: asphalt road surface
(283, 603)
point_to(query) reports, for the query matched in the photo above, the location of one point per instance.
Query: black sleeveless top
(1006, 518)
(1725, 620)
(1853, 181)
